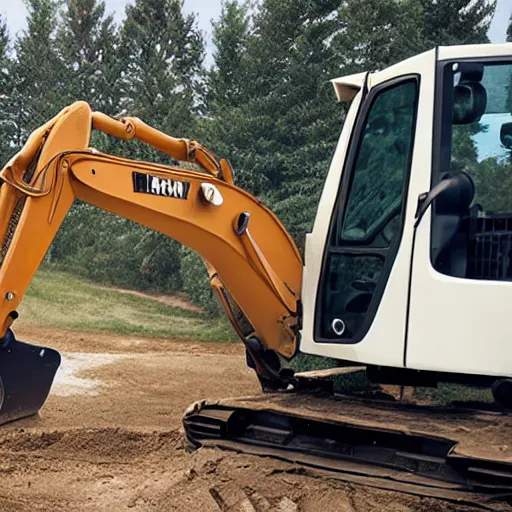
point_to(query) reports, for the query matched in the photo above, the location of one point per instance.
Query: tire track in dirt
(123, 469)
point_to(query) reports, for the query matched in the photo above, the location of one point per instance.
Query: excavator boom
(253, 263)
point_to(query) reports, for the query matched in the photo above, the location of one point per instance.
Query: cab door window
(367, 223)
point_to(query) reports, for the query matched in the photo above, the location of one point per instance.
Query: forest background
(267, 103)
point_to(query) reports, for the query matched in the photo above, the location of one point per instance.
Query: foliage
(41, 81)
(230, 36)
(7, 114)
(113, 250)
(88, 45)
(281, 136)
(163, 54)
(449, 22)
(195, 282)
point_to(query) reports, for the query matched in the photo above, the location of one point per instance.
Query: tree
(7, 117)
(89, 47)
(276, 125)
(230, 35)
(164, 62)
(224, 127)
(161, 54)
(40, 78)
(303, 118)
(448, 22)
(164, 54)
(378, 33)
(509, 30)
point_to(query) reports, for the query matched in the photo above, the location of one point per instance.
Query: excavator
(406, 273)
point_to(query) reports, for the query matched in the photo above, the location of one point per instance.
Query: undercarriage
(448, 453)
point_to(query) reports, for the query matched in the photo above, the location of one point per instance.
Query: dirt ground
(110, 438)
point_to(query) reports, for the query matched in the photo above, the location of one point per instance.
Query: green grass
(446, 394)
(61, 300)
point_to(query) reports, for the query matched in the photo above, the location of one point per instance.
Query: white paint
(68, 381)
(475, 50)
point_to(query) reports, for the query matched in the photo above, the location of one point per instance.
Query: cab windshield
(472, 232)
(483, 147)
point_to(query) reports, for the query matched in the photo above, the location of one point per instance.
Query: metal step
(330, 372)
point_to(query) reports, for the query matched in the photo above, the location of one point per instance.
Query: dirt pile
(119, 469)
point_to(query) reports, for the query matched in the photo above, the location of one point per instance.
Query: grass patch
(61, 300)
(446, 394)
(305, 362)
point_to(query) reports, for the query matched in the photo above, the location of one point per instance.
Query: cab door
(358, 256)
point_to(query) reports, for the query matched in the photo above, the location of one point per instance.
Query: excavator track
(439, 452)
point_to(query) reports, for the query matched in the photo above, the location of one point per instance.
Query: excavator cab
(409, 263)
(408, 273)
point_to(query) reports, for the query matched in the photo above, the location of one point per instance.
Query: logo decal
(148, 184)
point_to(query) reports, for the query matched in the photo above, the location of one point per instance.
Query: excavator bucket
(26, 376)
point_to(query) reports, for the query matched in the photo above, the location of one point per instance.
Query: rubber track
(389, 459)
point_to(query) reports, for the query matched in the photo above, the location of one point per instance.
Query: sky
(206, 10)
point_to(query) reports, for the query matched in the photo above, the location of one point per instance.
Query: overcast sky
(15, 12)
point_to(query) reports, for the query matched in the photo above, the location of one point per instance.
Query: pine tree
(448, 22)
(89, 47)
(378, 33)
(223, 127)
(279, 123)
(230, 35)
(509, 30)
(152, 65)
(41, 81)
(7, 120)
(164, 61)
(301, 117)
(375, 33)
(164, 51)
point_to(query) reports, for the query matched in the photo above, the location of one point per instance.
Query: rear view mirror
(506, 135)
(469, 102)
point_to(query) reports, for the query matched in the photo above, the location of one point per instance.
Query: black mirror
(469, 102)
(454, 193)
(506, 135)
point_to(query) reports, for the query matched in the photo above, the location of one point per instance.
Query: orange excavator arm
(253, 263)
